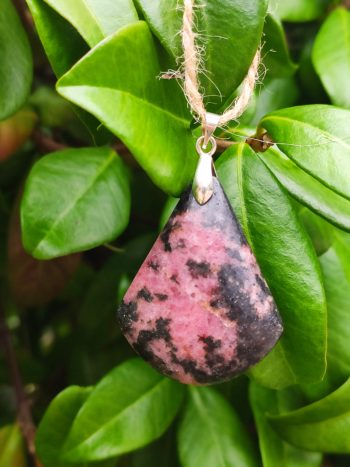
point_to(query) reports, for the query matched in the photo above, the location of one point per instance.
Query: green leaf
(74, 200)
(12, 451)
(307, 190)
(96, 19)
(229, 32)
(64, 47)
(147, 114)
(322, 426)
(129, 408)
(275, 371)
(331, 57)
(168, 208)
(16, 67)
(211, 433)
(275, 51)
(275, 233)
(55, 112)
(320, 231)
(316, 138)
(56, 423)
(161, 453)
(336, 273)
(298, 10)
(102, 293)
(274, 451)
(309, 82)
(342, 246)
(62, 44)
(271, 95)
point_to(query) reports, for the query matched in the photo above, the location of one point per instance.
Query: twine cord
(191, 81)
(189, 74)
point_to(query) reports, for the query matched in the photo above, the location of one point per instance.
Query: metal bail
(210, 125)
(203, 186)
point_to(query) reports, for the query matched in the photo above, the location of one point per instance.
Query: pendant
(199, 310)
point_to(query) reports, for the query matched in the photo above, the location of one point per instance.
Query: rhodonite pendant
(199, 309)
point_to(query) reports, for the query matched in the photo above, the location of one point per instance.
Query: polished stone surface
(199, 309)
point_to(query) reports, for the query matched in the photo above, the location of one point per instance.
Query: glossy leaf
(317, 139)
(336, 272)
(288, 262)
(298, 10)
(147, 114)
(221, 28)
(74, 200)
(271, 95)
(56, 423)
(275, 451)
(211, 433)
(12, 450)
(275, 53)
(62, 44)
(129, 408)
(307, 190)
(331, 56)
(275, 370)
(64, 47)
(342, 246)
(320, 231)
(96, 19)
(16, 61)
(309, 81)
(168, 208)
(321, 426)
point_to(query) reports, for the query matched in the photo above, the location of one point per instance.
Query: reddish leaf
(15, 131)
(33, 282)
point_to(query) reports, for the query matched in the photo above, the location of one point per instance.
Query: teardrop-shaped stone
(199, 309)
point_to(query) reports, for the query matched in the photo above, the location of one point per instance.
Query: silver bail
(203, 186)
(210, 125)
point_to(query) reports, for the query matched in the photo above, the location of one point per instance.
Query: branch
(45, 143)
(260, 142)
(24, 14)
(24, 415)
(223, 144)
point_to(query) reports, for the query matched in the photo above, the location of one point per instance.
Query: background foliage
(94, 149)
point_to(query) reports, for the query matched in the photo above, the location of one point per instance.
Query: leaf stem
(24, 415)
(45, 143)
(24, 14)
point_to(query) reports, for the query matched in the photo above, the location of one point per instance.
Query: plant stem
(45, 143)
(24, 14)
(24, 415)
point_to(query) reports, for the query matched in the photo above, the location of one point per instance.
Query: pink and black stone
(199, 309)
